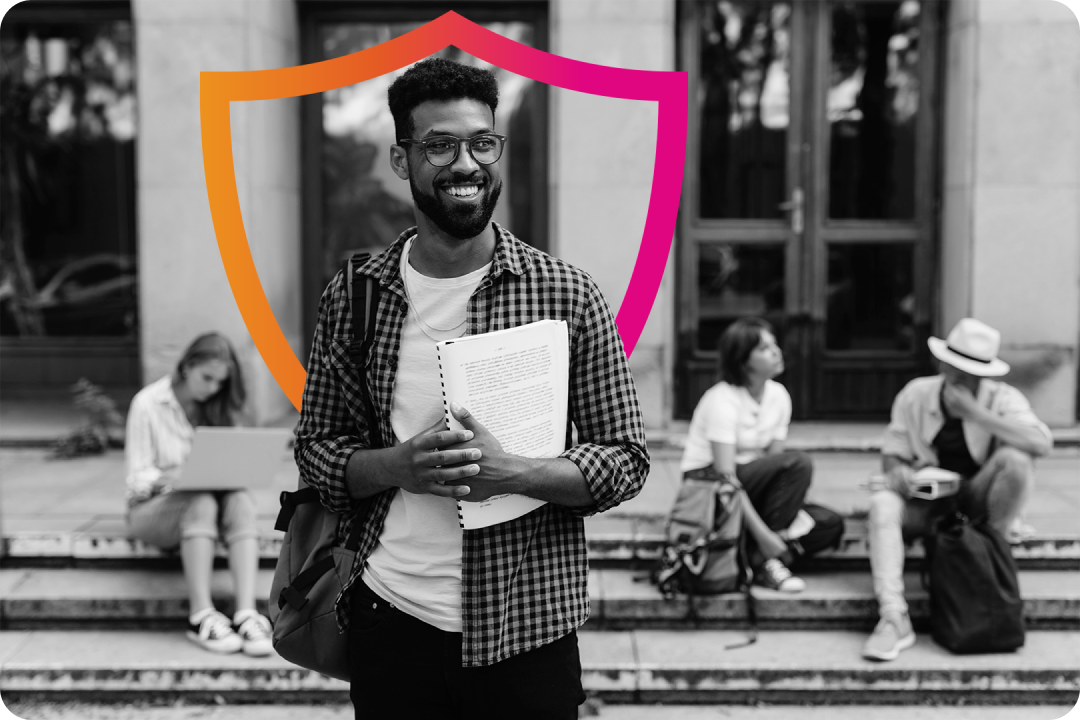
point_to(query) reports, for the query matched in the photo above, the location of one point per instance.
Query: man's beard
(458, 220)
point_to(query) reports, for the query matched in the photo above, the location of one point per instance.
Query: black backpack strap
(747, 590)
(289, 501)
(296, 594)
(364, 301)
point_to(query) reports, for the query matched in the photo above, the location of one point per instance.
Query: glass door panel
(870, 297)
(743, 103)
(738, 280)
(872, 105)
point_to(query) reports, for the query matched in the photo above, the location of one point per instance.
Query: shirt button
(374, 606)
(392, 362)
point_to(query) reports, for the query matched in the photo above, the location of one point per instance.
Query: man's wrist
(557, 480)
(523, 474)
(367, 472)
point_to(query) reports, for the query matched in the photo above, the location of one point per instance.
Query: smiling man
(446, 623)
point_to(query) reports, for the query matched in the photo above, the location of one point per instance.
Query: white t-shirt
(417, 563)
(729, 414)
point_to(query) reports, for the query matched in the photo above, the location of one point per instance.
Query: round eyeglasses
(442, 150)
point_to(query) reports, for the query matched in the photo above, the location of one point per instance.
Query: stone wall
(1010, 251)
(601, 171)
(183, 287)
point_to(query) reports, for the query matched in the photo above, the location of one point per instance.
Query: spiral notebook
(514, 382)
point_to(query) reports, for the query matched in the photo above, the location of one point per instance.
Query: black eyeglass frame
(457, 147)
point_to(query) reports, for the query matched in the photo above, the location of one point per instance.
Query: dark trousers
(403, 668)
(776, 486)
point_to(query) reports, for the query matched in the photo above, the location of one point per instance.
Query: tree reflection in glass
(67, 219)
(872, 106)
(738, 280)
(743, 105)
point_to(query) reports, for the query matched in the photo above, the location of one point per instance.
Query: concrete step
(103, 540)
(636, 541)
(620, 599)
(594, 708)
(833, 599)
(614, 540)
(642, 666)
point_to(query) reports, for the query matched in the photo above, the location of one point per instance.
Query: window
(67, 172)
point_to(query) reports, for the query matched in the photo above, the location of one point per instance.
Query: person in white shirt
(206, 388)
(738, 430)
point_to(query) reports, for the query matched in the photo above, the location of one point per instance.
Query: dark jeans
(403, 668)
(776, 486)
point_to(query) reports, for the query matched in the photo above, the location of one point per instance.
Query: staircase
(86, 613)
(92, 614)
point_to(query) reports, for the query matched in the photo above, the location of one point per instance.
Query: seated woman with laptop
(206, 389)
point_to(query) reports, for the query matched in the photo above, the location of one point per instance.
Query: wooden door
(809, 194)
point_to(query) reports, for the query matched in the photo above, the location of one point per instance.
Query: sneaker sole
(254, 652)
(763, 586)
(194, 637)
(902, 644)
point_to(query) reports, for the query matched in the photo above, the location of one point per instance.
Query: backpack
(704, 552)
(311, 570)
(975, 603)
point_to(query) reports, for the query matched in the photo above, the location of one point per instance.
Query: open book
(927, 483)
(514, 382)
(930, 483)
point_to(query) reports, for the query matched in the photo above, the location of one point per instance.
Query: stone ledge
(639, 666)
(612, 540)
(620, 599)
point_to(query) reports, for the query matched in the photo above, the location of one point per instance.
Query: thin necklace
(424, 326)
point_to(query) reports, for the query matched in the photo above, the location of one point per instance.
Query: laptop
(229, 458)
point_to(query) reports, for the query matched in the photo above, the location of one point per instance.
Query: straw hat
(972, 346)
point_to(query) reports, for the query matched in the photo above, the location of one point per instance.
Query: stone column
(601, 170)
(1010, 249)
(183, 287)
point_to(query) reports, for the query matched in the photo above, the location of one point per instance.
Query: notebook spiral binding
(446, 409)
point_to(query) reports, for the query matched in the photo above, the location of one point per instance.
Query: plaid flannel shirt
(524, 582)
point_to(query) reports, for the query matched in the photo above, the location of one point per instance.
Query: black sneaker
(215, 634)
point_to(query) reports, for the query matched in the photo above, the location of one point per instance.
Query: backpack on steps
(704, 552)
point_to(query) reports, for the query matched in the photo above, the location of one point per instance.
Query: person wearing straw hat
(959, 420)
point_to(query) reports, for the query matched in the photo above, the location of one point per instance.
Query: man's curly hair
(438, 79)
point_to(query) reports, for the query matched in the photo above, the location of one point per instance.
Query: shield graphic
(218, 89)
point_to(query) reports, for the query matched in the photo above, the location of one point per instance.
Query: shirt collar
(510, 256)
(163, 392)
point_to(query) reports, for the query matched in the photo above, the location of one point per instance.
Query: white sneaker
(775, 575)
(255, 634)
(892, 634)
(215, 633)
